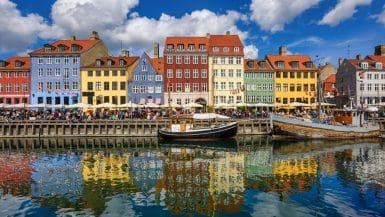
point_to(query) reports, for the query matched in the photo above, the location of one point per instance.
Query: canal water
(248, 176)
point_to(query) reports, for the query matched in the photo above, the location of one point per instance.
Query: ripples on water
(143, 177)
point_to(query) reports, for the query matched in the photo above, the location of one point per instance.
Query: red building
(186, 70)
(14, 80)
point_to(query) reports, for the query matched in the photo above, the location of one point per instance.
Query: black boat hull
(215, 133)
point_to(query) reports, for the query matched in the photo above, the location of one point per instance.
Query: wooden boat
(183, 129)
(299, 128)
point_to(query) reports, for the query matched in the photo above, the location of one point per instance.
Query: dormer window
(191, 47)
(180, 47)
(226, 49)
(250, 64)
(309, 65)
(202, 47)
(2, 63)
(215, 49)
(18, 63)
(280, 64)
(47, 49)
(364, 65)
(236, 49)
(121, 62)
(75, 48)
(294, 64)
(378, 66)
(170, 47)
(109, 62)
(61, 48)
(262, 64)
(144, 65)
(98, 62)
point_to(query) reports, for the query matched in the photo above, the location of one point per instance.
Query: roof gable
(285, 62)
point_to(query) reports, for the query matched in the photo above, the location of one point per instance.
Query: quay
(111, 128)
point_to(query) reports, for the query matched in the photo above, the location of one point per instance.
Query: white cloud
(18, 31)
(381, 17)
(306, 41)
(251, 52)
(342, 11)
(273, 15)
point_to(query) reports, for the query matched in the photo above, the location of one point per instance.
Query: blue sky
(327, 28)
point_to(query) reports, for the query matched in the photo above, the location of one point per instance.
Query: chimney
(282, 50)
(72, 37)
(125, 53)
(358, 57)
(94, 35)
(227, 32)
(207, 35)
(156, 50)
(340, 62)
(379, 50)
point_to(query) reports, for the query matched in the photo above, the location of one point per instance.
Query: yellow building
(105, 80)
(226, 77)
(295, 78)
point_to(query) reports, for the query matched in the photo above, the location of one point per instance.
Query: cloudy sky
(325, 28)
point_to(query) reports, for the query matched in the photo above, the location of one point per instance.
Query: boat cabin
(349, 117)
(181, 124)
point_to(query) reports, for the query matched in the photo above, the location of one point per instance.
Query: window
(284, 75)
(231, 73)
(114, 73)
(312, 74)
(122, 85)
(223, 60)
(121, 62)
(195, 59)
(25, 87)
(178, 87)
(236, 49)
(369, 76)
(49, 72)
(89, 73)
(262, 64)
(204, 59)
(295, 64)
(238, 60)
(114, 85)
(280, 64)
(169, 59)
(298, 74)
(66, 85)
(215, 60)
(135, 89)
(57, 72)
(226, 49)
(109, 62)
(122, 72)
(292, 75)
(369, 87)
(150, 89)
(106, 99)
(292, 87)
(98, 62)
(215, 49)
(204, 73)
(239, 73)
(223, 85)
(376, 76)
(170, 47)
(278, 87)
(106, 86)
(158, 78)
(98, 86)
(170, 87)
(106, 73)
(142, 89)
(187, 87)
(305, 87)
(16, 87)
(362, 87)
(150, 77)
(57, 85)
(25, 74)
(8, 87)
(285, 88)
(158, 89)
(66, 73)
(187, 73)
(57, 60)
(187, 59)
(179, 73)
(216, 86)
(202, 47)
(169, 73)
(305, 74)
(215, 72)
(312, 87)
(196, 87)
(191, 47)
(364, 65)
(180, 47)
(378, 65)
(299, 87)
(231, 85)
(309, 65)
(195, 73)
(40, 60)
(178, 59)
(223, 73)
(66, 60)
(204, 87)
(49, 86)
(376, 87)
(49, 60)
(179, 101)
(40, 72)
(89, 86)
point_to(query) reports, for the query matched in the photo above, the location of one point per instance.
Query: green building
(259, 81)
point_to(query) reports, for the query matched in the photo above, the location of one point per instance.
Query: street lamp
(361, 101)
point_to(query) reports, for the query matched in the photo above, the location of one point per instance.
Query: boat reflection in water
(248, 176)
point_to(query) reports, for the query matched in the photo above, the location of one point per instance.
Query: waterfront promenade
(103, 128)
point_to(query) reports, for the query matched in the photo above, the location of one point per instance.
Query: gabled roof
(84, 45)
(115, 62)
(254, 65)
(10, 63)
(377, 58)
(288, 60)
(157, 63)
(186, 40)
(222, 41)
(371, 64)
(330, 79)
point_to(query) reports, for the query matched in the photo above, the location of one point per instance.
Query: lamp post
(361, 101)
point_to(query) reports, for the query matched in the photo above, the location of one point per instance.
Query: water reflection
(248, 176)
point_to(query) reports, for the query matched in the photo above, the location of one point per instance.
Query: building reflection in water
(207, 180)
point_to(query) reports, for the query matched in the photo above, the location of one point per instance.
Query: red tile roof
(158, 65)
(377, 58)
(330, 79)
(254, 65)
(371, 64)
(288, 60)
(10, 63)
(84, 46)
(185, 40)
(221, 41)
(114, 62)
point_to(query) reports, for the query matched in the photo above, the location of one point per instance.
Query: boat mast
(319, 89)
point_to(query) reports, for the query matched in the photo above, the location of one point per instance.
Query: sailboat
(345, 123)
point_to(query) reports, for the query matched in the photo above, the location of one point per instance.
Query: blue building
(146, 84)
(55, 69)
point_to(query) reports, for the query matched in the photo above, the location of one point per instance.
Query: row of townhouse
(208, 70)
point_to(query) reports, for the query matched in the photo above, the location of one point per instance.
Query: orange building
(14, 80)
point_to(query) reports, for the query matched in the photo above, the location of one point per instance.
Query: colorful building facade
(14, 80)
(106, 80)
(259, 82)
(55, 69)
(295, 78)
(146, 84)
(226, 80)
(186, 70)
